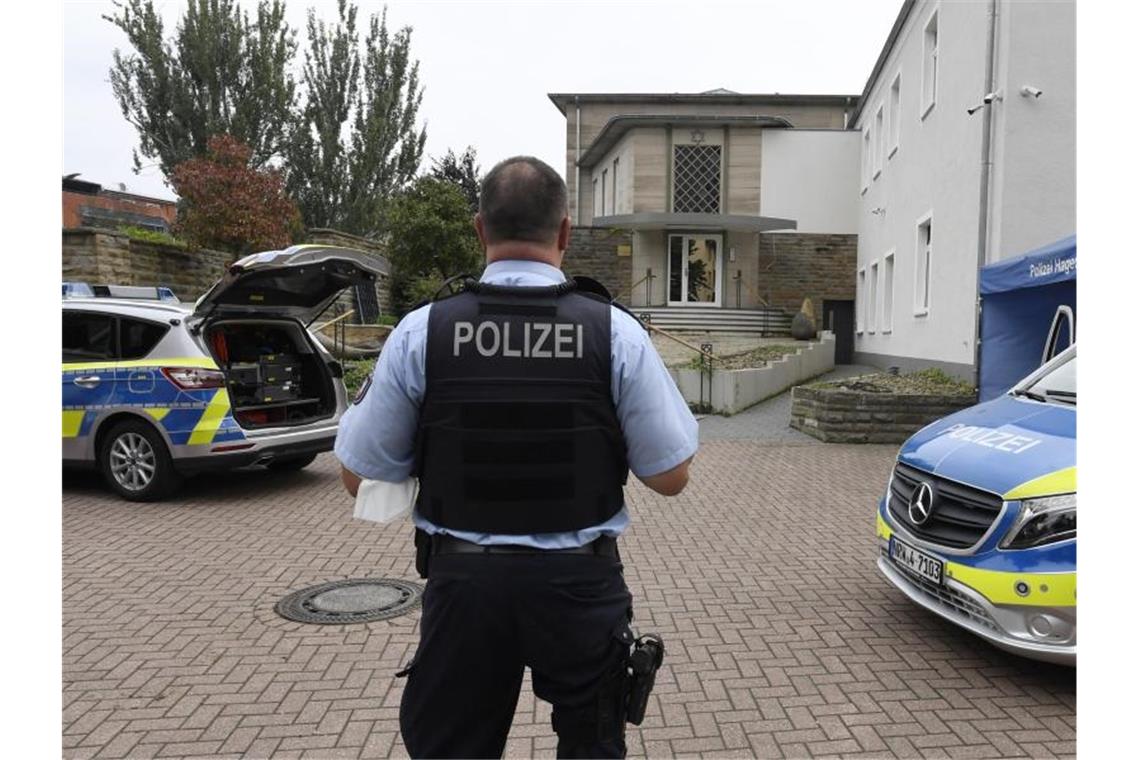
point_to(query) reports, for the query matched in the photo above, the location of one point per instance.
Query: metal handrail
(684, 343)
(336, 319)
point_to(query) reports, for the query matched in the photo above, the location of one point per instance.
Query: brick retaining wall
(795, 266)
(101, 257)
(840, 416)
(593, 252)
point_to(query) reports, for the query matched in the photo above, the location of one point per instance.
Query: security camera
(1030, 91)
(988, 99)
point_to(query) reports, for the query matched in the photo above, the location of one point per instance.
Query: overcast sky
(487, 67)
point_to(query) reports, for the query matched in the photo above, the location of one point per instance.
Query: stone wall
(102, 257)
(594, 252)
(841, 416)
(795, 266)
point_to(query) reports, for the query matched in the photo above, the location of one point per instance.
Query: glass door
(694, 270)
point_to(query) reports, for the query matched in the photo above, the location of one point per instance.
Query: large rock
(802, 327)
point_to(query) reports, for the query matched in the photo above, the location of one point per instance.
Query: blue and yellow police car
(154, 390)
(979, 521)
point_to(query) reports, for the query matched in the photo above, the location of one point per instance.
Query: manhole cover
(362, 600)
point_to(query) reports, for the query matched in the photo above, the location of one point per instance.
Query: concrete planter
(734, 390)
(840, 416)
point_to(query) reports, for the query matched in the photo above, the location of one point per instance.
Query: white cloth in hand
(384, 502)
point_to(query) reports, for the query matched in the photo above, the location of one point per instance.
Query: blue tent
(1019, 298)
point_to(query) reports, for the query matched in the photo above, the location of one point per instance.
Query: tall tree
(462, 171)
(430, 238)
(356, 142)
(220, 73)
(317, 160)
(231, 206)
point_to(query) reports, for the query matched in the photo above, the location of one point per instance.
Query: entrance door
(839, 318)
(694, 270)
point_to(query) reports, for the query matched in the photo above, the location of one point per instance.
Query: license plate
(917, 562)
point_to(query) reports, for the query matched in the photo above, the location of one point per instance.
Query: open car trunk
(274, 373)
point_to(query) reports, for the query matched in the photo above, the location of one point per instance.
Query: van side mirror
(1063, 318)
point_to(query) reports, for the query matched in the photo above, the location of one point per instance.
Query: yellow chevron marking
(72, 421)
(216, 411)
(1061, 481)
(157, 413)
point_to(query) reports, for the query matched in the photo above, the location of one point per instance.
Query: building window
(873, 298)
(923, 261)
(880, 140)
(930, 64)
(866, 159)
(861, 301)
(894, 115)
(597, 211)
(615, 189)
(696, 179)
(605, 172)
(888, 292)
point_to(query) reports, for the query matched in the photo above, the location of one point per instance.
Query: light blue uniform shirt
(376, 438)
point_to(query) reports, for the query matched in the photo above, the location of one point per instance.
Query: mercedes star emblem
(921, 503)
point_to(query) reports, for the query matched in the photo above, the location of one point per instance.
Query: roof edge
(881, 61)
(562, 100)
(616, 127)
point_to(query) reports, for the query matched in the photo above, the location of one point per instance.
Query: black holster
(423, 551)
(647, 656)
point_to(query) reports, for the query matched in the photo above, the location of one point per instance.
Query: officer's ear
(564, 234)
(479, 230)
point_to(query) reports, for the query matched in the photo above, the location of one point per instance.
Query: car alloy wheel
(133, 461)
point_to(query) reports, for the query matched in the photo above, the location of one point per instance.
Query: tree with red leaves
(228, 205)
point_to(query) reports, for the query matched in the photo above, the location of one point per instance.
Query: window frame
(873, 297)
(894, 99)
(926, 252)
(860, 300)
(603, 183)
(866, 168)
(888, 291)
(614, 201)
(879, 141)
(594, 198)
(114, 357)
(721, 171)
(120, 319)
(930, 61)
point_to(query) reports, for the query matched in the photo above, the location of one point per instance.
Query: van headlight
(1043, 521)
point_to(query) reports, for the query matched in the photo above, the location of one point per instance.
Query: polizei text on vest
(528, 340)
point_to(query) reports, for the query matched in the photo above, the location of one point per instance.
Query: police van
(979, 521)
(155, 390)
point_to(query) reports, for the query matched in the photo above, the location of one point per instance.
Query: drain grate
(360, 600)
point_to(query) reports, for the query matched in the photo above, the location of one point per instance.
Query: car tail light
(195, 378)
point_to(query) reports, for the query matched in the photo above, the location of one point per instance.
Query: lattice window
(696, 179)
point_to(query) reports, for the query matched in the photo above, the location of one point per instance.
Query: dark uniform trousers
(485, 618)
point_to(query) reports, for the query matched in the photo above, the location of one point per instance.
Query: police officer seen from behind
(520, 404)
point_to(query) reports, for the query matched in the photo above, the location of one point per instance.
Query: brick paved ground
(782, 638)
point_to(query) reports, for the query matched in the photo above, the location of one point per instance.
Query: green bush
(355, 373)
(152, 236)
(387, 319)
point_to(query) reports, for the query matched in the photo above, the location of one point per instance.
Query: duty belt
(605, 546)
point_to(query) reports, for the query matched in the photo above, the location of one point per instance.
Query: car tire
(136, 464)
(292, 464)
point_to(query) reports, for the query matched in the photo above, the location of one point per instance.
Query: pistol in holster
(423, 551)
(646, 657)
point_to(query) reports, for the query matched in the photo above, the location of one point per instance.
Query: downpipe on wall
(984, 190)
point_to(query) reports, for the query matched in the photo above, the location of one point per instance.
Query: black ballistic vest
(517, 432)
